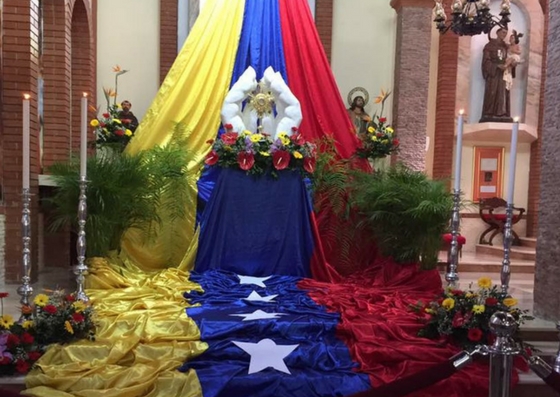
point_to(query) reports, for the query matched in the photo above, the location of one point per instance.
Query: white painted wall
(363, 47)
(132, 43)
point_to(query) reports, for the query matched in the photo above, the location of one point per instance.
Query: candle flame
(462, 111)
(516, 119)
(26, 96)
(85, 94)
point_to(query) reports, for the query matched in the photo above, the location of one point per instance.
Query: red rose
(229, 138)
(34, 356)
(119, 132)
(22, 366)
(102, 125)
(395, 142)
(245, 160)
(491, 301)
(13, 340)
(228, 127)
(4, 294)
(458, 320)
(78, 317)
(475, 334)
(281, 159)
(382, 119)
(106, 115)
(309, 164)
(5, 361)
(51, 309)
(212, 158)
(70, 298)
(27, 338)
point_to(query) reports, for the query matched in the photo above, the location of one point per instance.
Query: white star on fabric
(267, 354)
(253, 280)
(255, 297)
(258, 315)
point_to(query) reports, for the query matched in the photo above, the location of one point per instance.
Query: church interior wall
(129, 44)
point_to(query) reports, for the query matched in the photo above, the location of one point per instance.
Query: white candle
(25, 147)
(512, 160)
(83, 137)
(459, 151)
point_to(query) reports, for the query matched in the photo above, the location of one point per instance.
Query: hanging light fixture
(471, 17)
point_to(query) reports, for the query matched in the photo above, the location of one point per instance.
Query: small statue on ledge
(496, 106)
(360, 118)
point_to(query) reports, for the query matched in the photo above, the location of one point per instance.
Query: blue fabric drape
(260, 46)
(320, 366)
(257, 226)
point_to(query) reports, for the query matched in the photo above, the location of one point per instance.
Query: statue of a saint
(360, 118)
(496, 105)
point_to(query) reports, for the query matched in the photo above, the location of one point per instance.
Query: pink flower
(281, 159)
(245, 160)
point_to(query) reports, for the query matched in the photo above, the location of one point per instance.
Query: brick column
(168, 12)
(324, 23)
(547, 272)
(412, 75)
(19, 75)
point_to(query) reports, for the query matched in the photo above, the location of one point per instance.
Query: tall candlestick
(83, 137)
(512, 160)
(459, 151)
(25, 145)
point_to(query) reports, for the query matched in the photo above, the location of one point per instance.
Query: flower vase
(108, 152)
(379, 164)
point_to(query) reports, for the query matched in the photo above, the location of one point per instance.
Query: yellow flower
(246, 133)
(371, 130)
(382, 97)
(128, 133)
(27, 324)
(79, 306)
(68, 327)
(41, 300)
(469, 295)
(256, 137)
(265, 154)
(448, 303)
(285, 140)
(282, 135)
(485, 282)
(477, 309)
(94, 123)
(389, 130)
(374, 138)
(429, 311)
(509, 302)
(117, 121)
(385, 141)
(298, 155)
(6, 321)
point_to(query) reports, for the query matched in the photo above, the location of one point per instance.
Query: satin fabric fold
(192, 93)
(142, 337)
(320, 366)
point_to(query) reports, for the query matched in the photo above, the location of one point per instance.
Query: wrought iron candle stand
(80, 270)
(505, 273)
(452, 277)
(25, 290)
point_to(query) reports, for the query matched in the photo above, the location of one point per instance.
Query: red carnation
(4, 294)
(13, 340)
(34, 356)
(78, 317)
(281, 159)
(246, 160)
(229, 138)
(228, 127)
(212, 158)
(27, 338)
(22, 366)
(490, 301)
(309, 164)
(70, 298)
(106, 115)
(395, 142)
(475, 334)
(119, 132)
(382, 119)
(51, 309)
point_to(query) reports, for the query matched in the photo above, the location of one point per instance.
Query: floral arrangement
(462, 317)
(257, 153)
(379, 141)
(58, 318)
(109, 128)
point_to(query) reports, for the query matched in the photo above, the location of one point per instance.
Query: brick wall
(324, 23)
(168, 13)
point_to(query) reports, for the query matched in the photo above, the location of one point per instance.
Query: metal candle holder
(557, 359)
(452, 277)
(80, 270)
(508, 237)
(25, 290)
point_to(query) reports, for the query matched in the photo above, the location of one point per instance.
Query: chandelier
(471, 17)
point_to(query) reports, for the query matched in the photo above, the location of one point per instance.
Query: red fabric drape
(380, 329)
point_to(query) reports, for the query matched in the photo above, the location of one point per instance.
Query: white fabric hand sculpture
(232, 108)
(288, 108)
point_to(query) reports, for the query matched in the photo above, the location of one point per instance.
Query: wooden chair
(492, 212)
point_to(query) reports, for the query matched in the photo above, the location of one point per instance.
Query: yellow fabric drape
(143, 336)
(192, 93)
